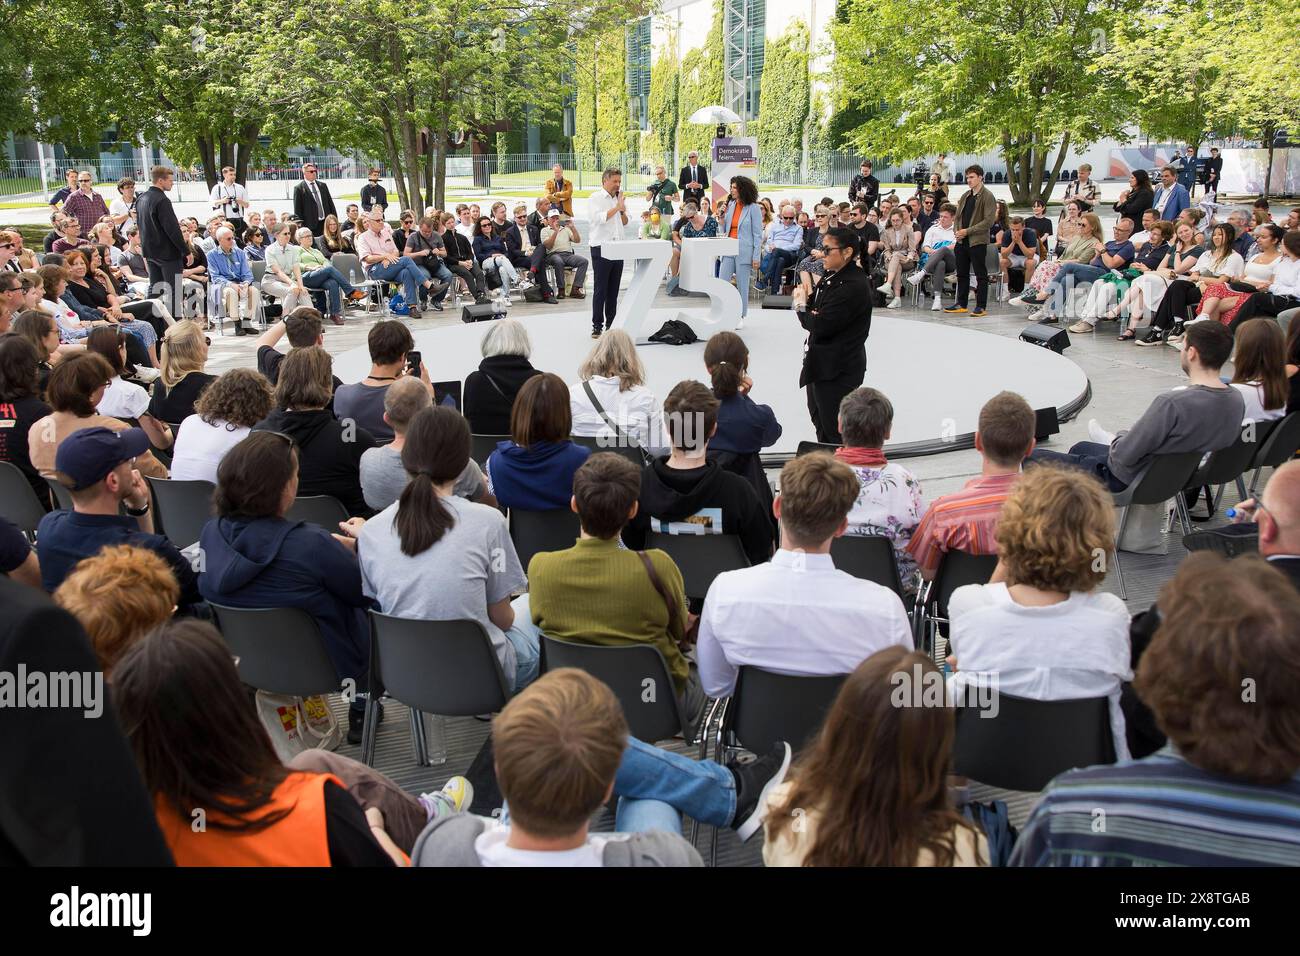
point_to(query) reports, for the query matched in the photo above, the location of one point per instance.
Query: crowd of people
(98, 402)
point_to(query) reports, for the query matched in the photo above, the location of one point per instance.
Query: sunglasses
(787, 218)
(83, 181)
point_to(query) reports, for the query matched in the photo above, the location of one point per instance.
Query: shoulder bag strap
(663, 591)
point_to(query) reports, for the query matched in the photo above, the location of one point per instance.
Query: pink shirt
(368, 244)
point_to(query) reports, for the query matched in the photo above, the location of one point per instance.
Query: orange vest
(298, 839)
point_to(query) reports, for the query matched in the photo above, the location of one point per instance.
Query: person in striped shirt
(1223, 679)
(967, 520)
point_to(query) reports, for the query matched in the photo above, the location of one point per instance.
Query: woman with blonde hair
(1040, 624)
(332, 239)
(1081, 248)
(610, 395)
(182, 379)
(872, 787)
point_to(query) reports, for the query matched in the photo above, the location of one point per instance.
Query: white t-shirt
(229, 197)
(1077, 648)
(123, 399)
(1255, 410)
(200, 447)
(1231, 267)
(636, 412)
(936, 236)
(490, 845)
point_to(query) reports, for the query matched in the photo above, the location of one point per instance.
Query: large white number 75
(651, 258)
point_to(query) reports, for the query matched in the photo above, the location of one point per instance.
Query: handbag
(296, 724)
(689, 634)
(624, 440)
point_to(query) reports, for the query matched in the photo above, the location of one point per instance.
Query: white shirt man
(607, 216)
(603, 223)
(798, 614)
(230, 198)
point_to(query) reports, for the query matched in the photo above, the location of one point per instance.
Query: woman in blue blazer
(742, 218)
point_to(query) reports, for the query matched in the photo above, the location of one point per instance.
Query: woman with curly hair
(223, 417)
(1040, 624)
(872, 788)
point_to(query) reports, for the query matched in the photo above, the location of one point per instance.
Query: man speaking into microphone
(838, 319)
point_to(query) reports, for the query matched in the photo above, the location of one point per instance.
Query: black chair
(62, 496)
(1025, 743)
(183, 508)
(625, 669)
(481, 446)
(447, 668)
(767, 707)
(1277, 449)
(1228, 465)
(870, 557)
(956, 568)
(1164, 478)
(324, 510)
(280, 649)
(18, 502)
(804, 447)
(537, 531)
(700, 557)
(631, 452)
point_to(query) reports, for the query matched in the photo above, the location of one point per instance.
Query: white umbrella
(713, 114)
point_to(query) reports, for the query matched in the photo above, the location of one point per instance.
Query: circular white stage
(937, 376)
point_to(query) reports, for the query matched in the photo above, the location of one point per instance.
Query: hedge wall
(700, 84)
(784, 102)
(605, 89)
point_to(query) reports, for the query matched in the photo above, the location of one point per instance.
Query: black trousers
(1173, 307)
(535, 263)
(165, 283)
(1264, 303)
(824, 399)
(473, 277)
(604, 294)
(972, 257)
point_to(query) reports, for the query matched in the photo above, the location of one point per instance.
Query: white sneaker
(1004, 295)
(1097, 433)
(974, 282)
(916, 278)
(740, 325)
(886, 288)
(938, 304)
(894, 303)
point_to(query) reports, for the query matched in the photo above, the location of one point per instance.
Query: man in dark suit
(72, 794)
(694, 179)
(161, 243)
(838, 320)
(312, 201)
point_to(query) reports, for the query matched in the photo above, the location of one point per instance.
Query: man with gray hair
(694, 179)
(781, 250)
(232, 287)
(1244, 244)
(382, 475)
(889, 503)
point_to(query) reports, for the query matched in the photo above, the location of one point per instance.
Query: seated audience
(490, 390)
(362, 402)
(123, 399)
(558, 237)
(1054, 525)
(254, 557)
(329, 451)
(967, 520)
(74, 391)
(1225, 791)
(433, 556)
(21, 407)
(898, 242)
(303, 328)
(1204, 416)
(1115, 254)
(798, 614)
(383, 477)
(598, 592)
(686, 493)
(258, 812)
(1259, 369)
(119, 595)
(1222, 301)
(1277, 514)
(460, 261)
(18, 560)
(533, 471)
(889, 502)
(744, 427)
(177, 389)
(1017, 249)
(610, 398)
(938, 254)
(98, 467)
(1283, 292)
(562, 750)
(872, 788)
(223, 417)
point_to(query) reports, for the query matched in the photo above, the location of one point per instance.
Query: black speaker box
(1046, 423)
(1044, 336)
(478, 312)
(777, 302)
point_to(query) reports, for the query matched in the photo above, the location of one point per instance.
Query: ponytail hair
(727, 358)
(436, 451)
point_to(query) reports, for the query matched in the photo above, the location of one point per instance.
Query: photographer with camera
(660, 194)
(865, 187)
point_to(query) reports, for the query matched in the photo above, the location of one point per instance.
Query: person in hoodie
(490, 391)
(534, 470)
(329, 450)
(255, 558)
(686, 493)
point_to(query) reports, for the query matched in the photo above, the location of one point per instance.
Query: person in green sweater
(598, 592)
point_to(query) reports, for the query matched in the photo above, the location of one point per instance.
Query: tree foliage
(602, 122)
(700, 85)
(785, 102)
(664, 75)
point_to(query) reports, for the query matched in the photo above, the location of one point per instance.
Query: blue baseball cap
(86, 456)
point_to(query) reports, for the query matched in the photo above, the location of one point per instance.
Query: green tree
(785, 103)
(958, 78)
(602, 121)
(700, 85)
(664, 74)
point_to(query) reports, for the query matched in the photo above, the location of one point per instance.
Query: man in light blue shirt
(781, 250)
(232, 288)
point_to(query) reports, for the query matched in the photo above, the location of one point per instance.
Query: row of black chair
(482, 446)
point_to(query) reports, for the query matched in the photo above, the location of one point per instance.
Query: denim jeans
(334, 284)
(437, 268)
(1090, 456)
(405, 271)
(772, 265)
(526, 638)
